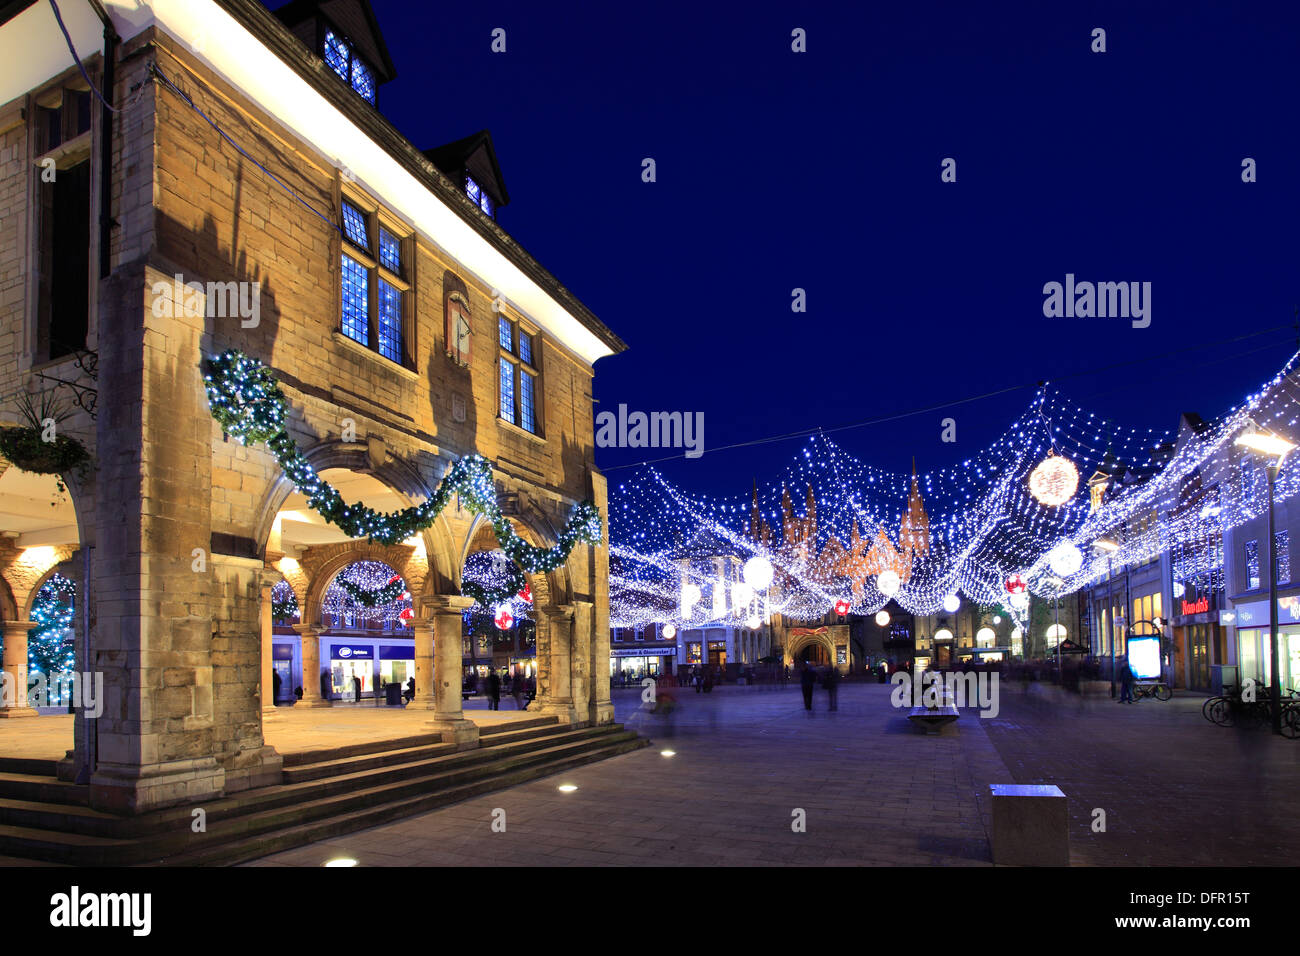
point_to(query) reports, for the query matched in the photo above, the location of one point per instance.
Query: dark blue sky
(821, 170)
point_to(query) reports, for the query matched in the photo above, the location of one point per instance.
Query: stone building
(245, 157)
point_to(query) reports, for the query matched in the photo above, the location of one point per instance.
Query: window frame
(510, 357)
(378, 220)
(323, 26)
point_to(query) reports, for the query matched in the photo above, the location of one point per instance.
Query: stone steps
(338, 800)
(43, 787)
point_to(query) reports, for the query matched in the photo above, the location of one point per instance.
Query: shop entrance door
(1198, 647)
(285, 670)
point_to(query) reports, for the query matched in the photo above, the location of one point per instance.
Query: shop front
(1198, 643)
(1253, 647)
(286, 666)
(348, 663)
(630, 664)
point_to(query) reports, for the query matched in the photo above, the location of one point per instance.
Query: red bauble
(504, 619)
(841, 606)
(1015, 584)
(526, 595)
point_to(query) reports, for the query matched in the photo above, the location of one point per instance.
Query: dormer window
(479, 195)
(343, 59)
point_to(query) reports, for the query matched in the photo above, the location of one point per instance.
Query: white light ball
(753, 621)
(882, 618)
(758, 572)
(951, 603)
(690, 593)
(1065, 559)
(741, 594)
(1019, 601)
(986, 635)
(997, 618)
(1054, 481)
(943, 634)
(888, 583)
(670, 631)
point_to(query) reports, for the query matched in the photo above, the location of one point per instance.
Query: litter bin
(393, 694)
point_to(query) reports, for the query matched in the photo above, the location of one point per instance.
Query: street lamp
(1109, 546)
(1267, 443)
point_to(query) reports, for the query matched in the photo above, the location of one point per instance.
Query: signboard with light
(1144, 657)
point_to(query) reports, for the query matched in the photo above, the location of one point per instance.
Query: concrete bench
(933, 719)
(1030, 825)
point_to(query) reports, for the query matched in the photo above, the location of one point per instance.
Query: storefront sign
(642, 651)
(1195, 607)
(1255, 614)
(396, 652)
(344, 652)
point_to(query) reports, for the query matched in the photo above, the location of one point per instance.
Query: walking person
(832, 688)
(517, 691)
(356, 686)
(494, 690)
(807, 681)
(409, 693)
(530, 687)
(1125, 681)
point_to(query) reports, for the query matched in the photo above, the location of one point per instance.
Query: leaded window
(340, 57)
(518, 388)
(374, 287)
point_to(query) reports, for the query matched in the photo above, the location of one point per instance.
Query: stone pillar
(600, 709)
(449, 717)
(311, 670)
(554, 662)
(425, 698)
(13, 700)
(268, 666)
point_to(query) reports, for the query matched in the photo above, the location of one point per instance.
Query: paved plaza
(1175, 789)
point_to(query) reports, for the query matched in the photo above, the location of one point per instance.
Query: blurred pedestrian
(494, 690)
(1125, 681)
(832, 688)
(807, 681)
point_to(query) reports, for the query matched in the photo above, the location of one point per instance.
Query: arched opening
(814, 653)
(42, 619)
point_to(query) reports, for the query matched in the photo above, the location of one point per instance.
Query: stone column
(13, 700)
(310, 639)
(268, 667)
(555, 693)
(448, 716)
(422, 629)
(600, 709)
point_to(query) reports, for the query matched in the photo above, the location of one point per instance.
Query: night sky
(821, 170)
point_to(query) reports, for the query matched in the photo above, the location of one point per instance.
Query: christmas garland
(379, 597)
(490, 596)
(247, 402)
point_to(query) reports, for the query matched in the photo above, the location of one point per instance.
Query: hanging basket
(26, 449)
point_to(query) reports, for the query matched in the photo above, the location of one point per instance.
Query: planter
(28, 451)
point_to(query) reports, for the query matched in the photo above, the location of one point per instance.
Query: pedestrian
(708, 681)
(699, 681)
(1125, 681)
(494, 690)
(356, 686)
(531, 687)
(807, 681)
(832, 688)
(517, 691)
(276, 680)
(409, 693)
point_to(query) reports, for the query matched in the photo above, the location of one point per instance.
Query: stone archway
(799, 638)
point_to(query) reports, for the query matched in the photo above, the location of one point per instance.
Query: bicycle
(1160, 691)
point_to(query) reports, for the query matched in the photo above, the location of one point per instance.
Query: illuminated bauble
(1019, 601)
(753, 622)
(986, 635)
(503, 618)
(1065, 559)
(670, 631)
(1056, 633)
(690, 594)
(757, 572)
(1016, 584)
(882, 618)
(1054, 481)
(943, 634)
(951, 603)
(888, 583)
(841, 606)
(997, 618)
(526, 595)
(741, 594)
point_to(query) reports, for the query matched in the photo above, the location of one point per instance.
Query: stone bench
(933, 719)
(1030, 825)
